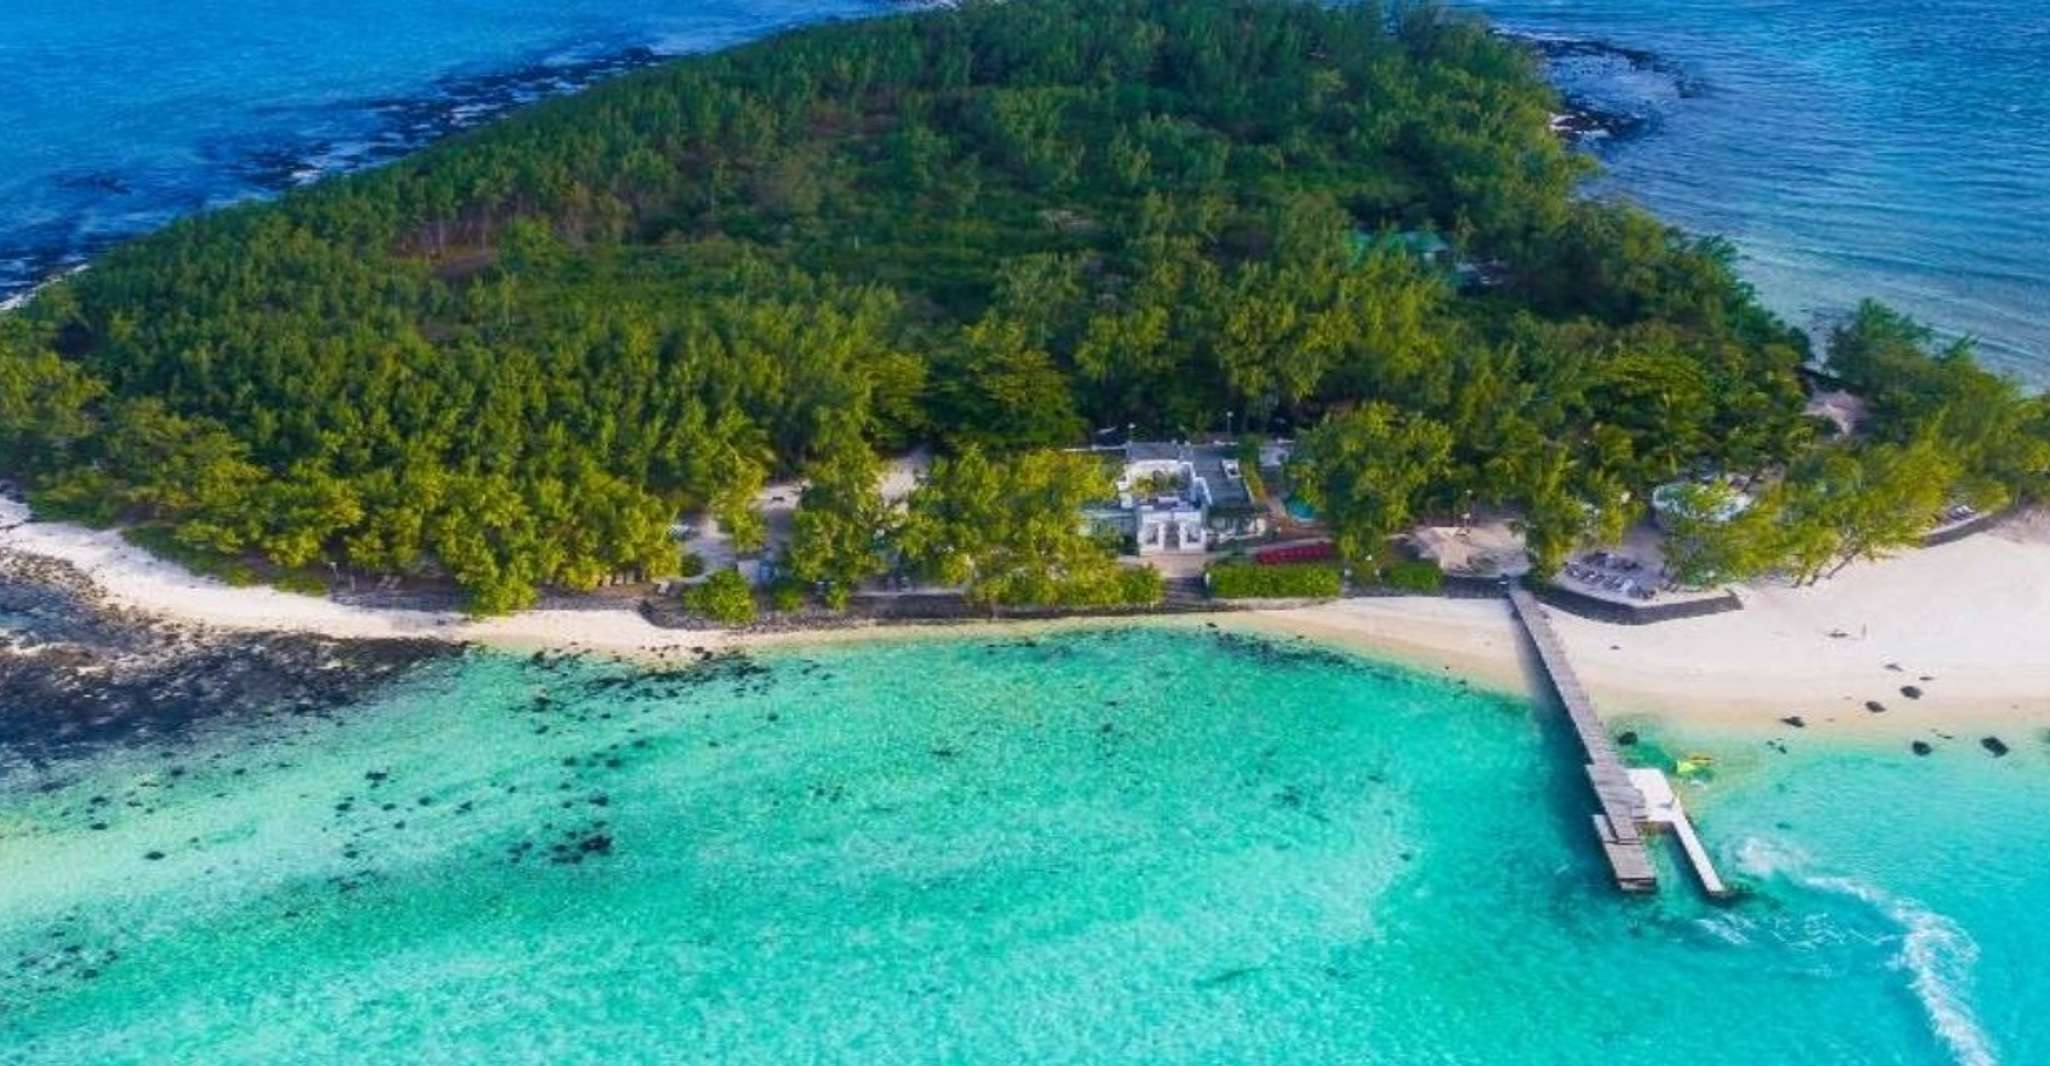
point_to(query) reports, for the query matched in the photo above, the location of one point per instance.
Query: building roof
(1145, 451)
(1424, 244)
(1225, 491)
(1206, 461)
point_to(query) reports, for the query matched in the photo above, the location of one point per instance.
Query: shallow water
(1118, 845)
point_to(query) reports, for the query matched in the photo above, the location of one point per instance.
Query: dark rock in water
(96, 181)
(1874, 706)
(152, 855)
(1995, 745)
(1627, 738)
(1921, 747)
(576, 846)
(1586, 117)
(91, 674)
(1911, 692)
(1226, 977)
(1795, 720)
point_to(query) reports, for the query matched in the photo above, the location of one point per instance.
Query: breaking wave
(1936, 953)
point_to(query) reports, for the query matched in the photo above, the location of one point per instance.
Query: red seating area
(1296, 553)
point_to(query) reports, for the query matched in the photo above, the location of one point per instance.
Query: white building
(1180, 498)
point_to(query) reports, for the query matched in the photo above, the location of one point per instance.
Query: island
(1014, 530)
(724, 296)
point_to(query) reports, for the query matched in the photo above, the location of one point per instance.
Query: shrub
(691, 565)
(1140, 586)
(1413, 576)
(303, 582)
(86, 496)
(787, 595)
(1241, 581)
(1117, 586)
(723, 597)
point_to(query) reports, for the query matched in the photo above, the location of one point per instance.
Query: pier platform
(1662, 808)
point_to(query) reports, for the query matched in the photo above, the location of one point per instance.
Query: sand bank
(1966, 625)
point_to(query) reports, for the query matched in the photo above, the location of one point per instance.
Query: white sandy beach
(1968, 623)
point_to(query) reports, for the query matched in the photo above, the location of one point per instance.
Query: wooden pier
(1623, 807)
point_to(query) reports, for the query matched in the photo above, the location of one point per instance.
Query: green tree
(724, 597)
(1714, 534)
(1895, 497)
(46, 405)
(1365, 470)
(842, 523)
(1002, 392)
(1011, 531)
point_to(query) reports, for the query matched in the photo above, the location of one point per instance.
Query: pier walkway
(1625, 812)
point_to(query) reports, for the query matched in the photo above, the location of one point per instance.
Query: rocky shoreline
(1587, 120)
(77, 673)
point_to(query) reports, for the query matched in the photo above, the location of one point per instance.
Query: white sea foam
(1936, 952)
(1727, 928)
(21, 299)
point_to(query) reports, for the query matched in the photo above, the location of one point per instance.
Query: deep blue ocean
(1851, 147)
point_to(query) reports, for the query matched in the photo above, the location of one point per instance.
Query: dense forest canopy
(517, 357)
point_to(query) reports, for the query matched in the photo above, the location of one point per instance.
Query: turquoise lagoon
(1133, 844)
